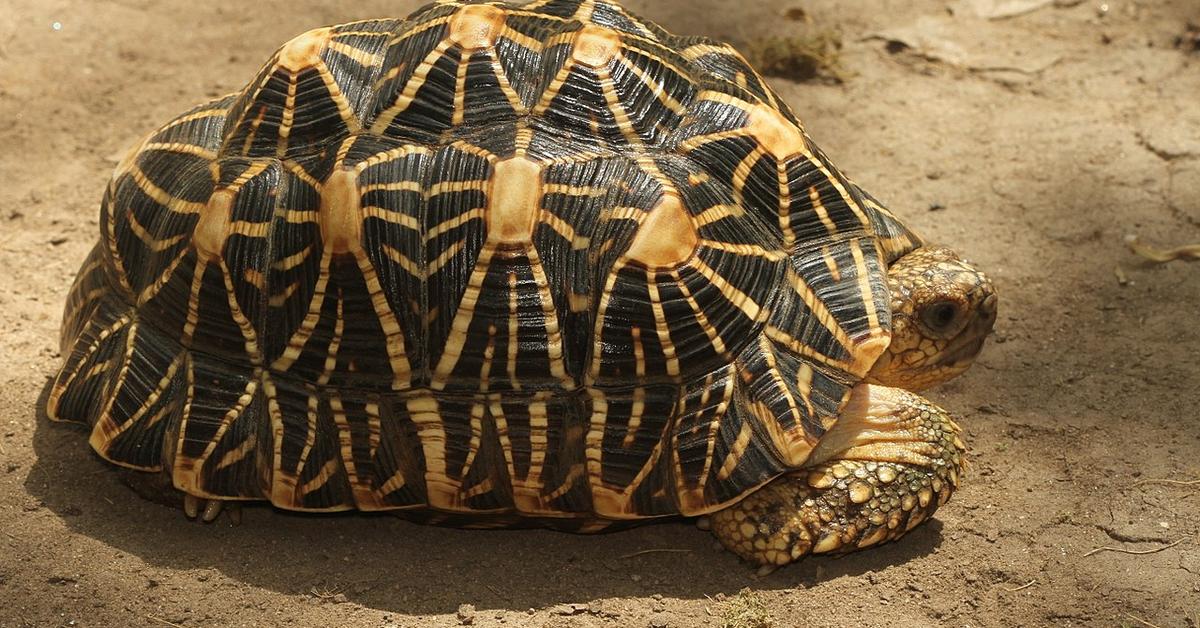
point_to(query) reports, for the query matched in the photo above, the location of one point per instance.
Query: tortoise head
(942, 310)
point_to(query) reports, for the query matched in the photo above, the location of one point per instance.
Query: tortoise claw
(703, 523)
(208, 510)
(212, 510)
(191, 506)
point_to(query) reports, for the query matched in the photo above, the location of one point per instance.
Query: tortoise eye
(940, 316)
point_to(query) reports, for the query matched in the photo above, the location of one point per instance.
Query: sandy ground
(1033, 143)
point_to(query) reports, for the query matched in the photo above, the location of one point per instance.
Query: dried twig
(163, 621)
(1024, 586)
(1141, 621)
(1171, 482)
(1162, 256)
(657, 551)
(1139, 552)
(325, 594)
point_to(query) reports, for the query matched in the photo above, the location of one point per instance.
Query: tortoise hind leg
(886, 466)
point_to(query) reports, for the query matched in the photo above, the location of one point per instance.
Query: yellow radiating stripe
(692, 143)
(293, 260)
(655, 86)
(106, 428)
(328, 470)
(147, 238)
(735, 452)
(462, 318)
(617, 109)
(785, 205)
(300, 216)
(450, 224)
(661, 325)
(718, 212)
(234, 456)
(192, 117)
(539, 425)
(302, 174)
(367, 59)
(393, 186)
(554, 344)
(819, 207)
(514, 99)
(601, 316)
(403, 261)
(561, 227)
(393, 484)
(193, 306)
(392, 155)
(736, 297)
(249, 337)
(817, 307)
(161, 196)
(556, 83)
(287, 117)
(434, 266)
(574, 473)
(398, 359)
(310, 434)
(456, 186)
(714, 425)
(392, 217)
(501, 422)
(335, 343)
(714, 338)
(61, 385)
(279, 298)
(298, 339)
(513, 331)
(415, 81)
(180, 147)
(864, 284)
(232, 415)
(741, 173)
(250, 229)
(460, 91)
(255, 278)
(753, 250)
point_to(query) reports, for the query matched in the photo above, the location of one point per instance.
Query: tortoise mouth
(967, 345)
(962, 354)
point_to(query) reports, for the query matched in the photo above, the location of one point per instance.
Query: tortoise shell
(546, 260)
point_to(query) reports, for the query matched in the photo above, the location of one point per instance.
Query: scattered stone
(1189, 40)
(569, 609)
(466, 614)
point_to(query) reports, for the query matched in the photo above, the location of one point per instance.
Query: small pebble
(466, 614)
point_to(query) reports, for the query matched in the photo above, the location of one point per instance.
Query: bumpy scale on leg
(901, 460)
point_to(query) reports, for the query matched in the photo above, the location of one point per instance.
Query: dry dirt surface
(1033, 142)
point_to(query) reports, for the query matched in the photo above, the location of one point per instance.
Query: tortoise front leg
(886, 466)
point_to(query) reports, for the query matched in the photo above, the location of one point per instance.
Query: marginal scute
(476, 26)
(867, 352)
(667, 237)
(304, 51)
(341, 212)
(213, 226)
(595, 46)
(775, 133)
(515, 192)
